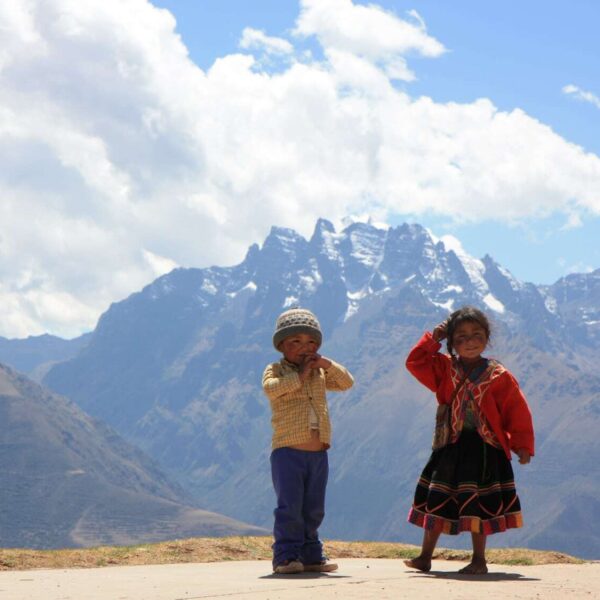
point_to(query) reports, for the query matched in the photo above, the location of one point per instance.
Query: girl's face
(469, 340)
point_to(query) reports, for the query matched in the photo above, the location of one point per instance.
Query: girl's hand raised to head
(439, 331)
(524, 457)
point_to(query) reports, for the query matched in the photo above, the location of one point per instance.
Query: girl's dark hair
(462, 315)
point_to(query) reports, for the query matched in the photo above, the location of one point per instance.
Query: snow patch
(448, 305)
(251, 286)
(209, 287)
(514, 283)
(354, 299)
(329, 245)
(473, 266)
(313, 279)
(494, 303)
(355, 296)
(352, 308)
(452, 288)
(551, 304)
(367, 246)
(308, 283)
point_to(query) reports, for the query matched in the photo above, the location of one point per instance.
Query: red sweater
(503, 404)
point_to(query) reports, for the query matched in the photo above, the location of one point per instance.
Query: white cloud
(579, 94)
(254, 38)
(367, 31)
(159, 264)
(120, 158)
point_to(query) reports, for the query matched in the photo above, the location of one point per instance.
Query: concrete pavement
(249, 580)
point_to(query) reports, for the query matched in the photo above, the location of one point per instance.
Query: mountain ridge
(176, 369)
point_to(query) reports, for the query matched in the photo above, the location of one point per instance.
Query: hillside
(35, 355)
(67, 480)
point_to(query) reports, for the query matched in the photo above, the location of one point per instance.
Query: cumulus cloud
(254, 38)
(121, 158)
(579, 94)
(367, 31)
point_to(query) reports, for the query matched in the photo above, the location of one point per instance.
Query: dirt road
(249, 580)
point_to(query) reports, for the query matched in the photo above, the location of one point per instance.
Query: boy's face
(296, 347)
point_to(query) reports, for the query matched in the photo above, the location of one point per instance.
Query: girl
(468, 484)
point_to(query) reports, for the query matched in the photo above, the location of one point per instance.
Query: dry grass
(242, 548)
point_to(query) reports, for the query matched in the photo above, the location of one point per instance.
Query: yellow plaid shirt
(291, 400)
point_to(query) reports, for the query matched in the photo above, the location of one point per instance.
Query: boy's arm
(426, 363)
(276, 385)
(337, 377)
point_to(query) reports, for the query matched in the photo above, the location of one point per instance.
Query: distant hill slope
(68, 480)
(34, 355)
(176, 369)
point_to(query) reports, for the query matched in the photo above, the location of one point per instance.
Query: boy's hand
(439, 331)
(306, 366)
(313, 361)
(321, 362)
(524, 457)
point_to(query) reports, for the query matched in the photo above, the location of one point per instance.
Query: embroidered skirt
(467, 486)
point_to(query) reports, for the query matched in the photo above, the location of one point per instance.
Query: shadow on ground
(486, 577)
(304, 576)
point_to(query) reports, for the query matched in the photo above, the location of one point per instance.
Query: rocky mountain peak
(182, 377)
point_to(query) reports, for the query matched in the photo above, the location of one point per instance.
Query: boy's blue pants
(299, 479)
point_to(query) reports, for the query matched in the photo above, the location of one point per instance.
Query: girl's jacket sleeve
(428, 365)
(514, 413)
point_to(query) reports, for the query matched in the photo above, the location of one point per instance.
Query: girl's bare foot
(475, 567)
(419, 563)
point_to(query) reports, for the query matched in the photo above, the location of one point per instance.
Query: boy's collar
(285, 361)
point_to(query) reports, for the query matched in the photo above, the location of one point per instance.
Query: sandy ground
(248, 580)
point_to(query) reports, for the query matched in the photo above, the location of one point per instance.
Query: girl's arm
(426, 363)
(516, 419)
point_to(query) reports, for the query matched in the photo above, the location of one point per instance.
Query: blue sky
(520, 54)
(137, 136)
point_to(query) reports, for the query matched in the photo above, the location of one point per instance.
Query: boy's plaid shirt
(291, 400)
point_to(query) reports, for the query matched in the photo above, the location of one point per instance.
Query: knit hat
(295, 321)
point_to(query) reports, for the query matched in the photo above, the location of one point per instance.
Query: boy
(301, 436)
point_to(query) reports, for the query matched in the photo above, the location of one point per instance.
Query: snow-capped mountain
(176, 368)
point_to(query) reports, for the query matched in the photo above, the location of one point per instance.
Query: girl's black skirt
(467, 486)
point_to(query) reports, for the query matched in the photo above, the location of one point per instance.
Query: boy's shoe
(322, 567)
(289, 567)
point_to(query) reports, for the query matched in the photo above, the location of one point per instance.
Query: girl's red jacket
(503, 402)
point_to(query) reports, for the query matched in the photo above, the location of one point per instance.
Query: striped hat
(295, 321)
